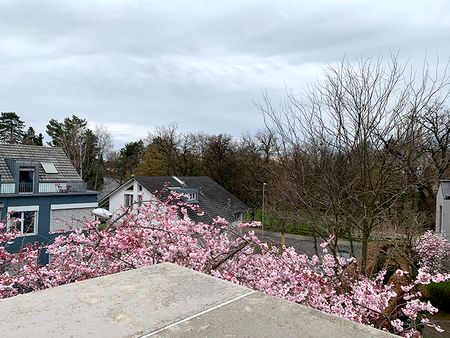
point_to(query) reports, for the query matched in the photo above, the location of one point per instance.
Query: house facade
(41, 193)
(212, 199)
(443, 208)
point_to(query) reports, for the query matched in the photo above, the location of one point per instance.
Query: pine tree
(11, 128)
(30, 137)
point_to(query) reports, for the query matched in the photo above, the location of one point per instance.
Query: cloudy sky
(134, 65)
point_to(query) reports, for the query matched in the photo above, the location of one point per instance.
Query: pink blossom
(163, 232)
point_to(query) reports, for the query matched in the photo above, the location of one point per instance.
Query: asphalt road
(304, 244)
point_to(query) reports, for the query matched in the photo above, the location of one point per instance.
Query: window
(24, 221)
(26, 180)
(192, 197)
(128, 200)
(49, 168)
(440, 220)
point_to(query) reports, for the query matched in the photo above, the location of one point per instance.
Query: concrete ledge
(165, 300)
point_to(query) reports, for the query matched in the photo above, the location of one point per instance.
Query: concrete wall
(442, 214)
(166, 300)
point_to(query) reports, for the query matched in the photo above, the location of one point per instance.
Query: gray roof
(109, 185)
(445, 188)
(55, 155)
(213, 199)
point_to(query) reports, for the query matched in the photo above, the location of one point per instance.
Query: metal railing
(43, 187)
(26, 187)
(8, 188)
(67, 187)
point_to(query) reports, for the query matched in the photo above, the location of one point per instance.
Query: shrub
(439, 295)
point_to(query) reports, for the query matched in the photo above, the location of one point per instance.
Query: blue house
(41, 192)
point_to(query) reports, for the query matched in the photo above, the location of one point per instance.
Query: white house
(212, 199)
(443, 208)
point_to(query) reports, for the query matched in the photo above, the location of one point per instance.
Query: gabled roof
(109, 185)
(213, 199)
(55, 155)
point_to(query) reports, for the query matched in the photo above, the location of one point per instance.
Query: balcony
(43, 187)
(26, 187)
(67, 187)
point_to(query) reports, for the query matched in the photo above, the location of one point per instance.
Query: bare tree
(344, 139)
(166, 141)
(435, 123)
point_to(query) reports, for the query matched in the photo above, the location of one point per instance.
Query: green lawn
(296, 227)
(273, 224)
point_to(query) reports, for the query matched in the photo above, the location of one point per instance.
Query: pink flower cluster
(433, 250)
(162, 232)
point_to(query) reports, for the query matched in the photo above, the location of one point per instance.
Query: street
(305, 244)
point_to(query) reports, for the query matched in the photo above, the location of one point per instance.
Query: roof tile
(55, 155)
(213, 199)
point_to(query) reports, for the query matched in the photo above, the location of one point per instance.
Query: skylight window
(49, 168)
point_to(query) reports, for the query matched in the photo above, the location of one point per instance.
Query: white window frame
(125, 196)
(34, 208)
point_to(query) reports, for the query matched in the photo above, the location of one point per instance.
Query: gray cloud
(133, 65)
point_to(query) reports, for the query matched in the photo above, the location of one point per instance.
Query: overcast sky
(134, 65)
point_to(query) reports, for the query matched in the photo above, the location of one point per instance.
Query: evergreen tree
(11, 128)
(129, 158)
(30, 137)
(83, 146)
(65, 134)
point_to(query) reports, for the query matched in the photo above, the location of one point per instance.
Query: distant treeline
(364, 149)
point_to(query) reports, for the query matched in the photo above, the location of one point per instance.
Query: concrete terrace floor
(166, 300)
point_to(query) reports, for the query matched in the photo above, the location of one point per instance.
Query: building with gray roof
(212, 198)
(41, 193)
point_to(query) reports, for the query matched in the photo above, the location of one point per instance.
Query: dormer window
(192, 197)
(26, 180)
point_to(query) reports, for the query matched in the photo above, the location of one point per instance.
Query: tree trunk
(365, 248)
(350, 239)
(316, 248)
(283, 239)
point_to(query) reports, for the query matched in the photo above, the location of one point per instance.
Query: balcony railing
(43, 187)
(26, 187)
(66, 187)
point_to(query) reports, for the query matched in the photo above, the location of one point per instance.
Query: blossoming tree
(162, 232)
